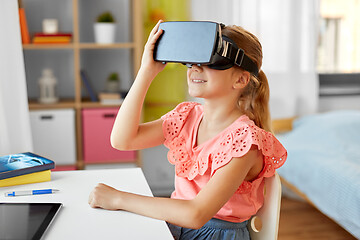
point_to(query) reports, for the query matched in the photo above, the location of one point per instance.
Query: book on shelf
(88, 86)
(25, 36)
(58, 34)
(53, 38)
(110, 98)
(45, 40)
(23, 163)
(36, 177)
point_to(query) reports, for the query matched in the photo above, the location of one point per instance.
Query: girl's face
(208, 83)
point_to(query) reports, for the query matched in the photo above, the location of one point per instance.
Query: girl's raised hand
(147, 62)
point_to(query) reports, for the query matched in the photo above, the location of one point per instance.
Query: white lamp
(47, 84)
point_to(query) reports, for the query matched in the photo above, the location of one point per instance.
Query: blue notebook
(23, 163)
(88, 86)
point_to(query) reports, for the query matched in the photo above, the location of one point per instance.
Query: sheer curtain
(287, 30)
(15, 133)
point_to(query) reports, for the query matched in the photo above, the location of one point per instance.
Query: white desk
(77, 220)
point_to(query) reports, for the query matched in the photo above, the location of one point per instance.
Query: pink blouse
(195, 165)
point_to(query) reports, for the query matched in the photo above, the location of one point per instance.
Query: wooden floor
(299, 221)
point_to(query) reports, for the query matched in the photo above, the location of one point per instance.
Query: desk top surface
(77, 220)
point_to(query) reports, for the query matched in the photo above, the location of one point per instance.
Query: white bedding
(324, 163)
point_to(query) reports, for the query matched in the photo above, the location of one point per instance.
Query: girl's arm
(127, 132)
(185, 213)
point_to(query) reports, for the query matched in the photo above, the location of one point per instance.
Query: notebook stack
(55, 38)
(110, 98)
(24, 168)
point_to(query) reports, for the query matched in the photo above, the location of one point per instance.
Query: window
(339, 41)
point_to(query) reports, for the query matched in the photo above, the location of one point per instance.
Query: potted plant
(113, 83)
(104, 28)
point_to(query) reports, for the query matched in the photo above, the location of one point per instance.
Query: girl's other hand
(147, 62)
(106, 197)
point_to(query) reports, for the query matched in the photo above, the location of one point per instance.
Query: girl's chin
(195, 94)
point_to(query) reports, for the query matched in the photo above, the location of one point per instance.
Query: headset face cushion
(221, 64)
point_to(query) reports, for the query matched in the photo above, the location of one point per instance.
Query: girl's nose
(195, 67)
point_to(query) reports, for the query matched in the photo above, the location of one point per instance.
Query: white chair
(265, 224)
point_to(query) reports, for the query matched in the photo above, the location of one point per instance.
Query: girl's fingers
(147, 59)
(154, 38)
(155, 29)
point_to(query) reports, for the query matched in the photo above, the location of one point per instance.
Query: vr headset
(200, 43)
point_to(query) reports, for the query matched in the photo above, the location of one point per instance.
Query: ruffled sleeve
(174, 121)
(239, 141)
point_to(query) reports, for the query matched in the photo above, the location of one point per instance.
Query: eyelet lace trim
(175, 119)
(234, 144)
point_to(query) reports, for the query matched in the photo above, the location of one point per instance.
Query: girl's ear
(242, 80)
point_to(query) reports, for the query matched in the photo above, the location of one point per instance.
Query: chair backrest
(269, 214)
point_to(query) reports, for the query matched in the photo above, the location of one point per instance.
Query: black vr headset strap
(238, 57)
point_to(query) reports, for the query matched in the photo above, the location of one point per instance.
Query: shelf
(97, 105)
(34, 105)
(99, 46)
(66, 103)
(47, 46)
(80, 46)
(82, 53)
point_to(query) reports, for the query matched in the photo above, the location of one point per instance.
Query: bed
(323, 164)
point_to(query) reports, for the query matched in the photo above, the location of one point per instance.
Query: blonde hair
(254, 100)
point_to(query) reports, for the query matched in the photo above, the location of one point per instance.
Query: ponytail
(254, 101)
(260, 104)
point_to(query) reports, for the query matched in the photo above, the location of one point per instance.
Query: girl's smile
(208, 83)
(198, 81)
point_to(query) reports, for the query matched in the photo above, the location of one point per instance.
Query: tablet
(26, 220)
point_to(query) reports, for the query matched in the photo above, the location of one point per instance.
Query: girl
(222, 150)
